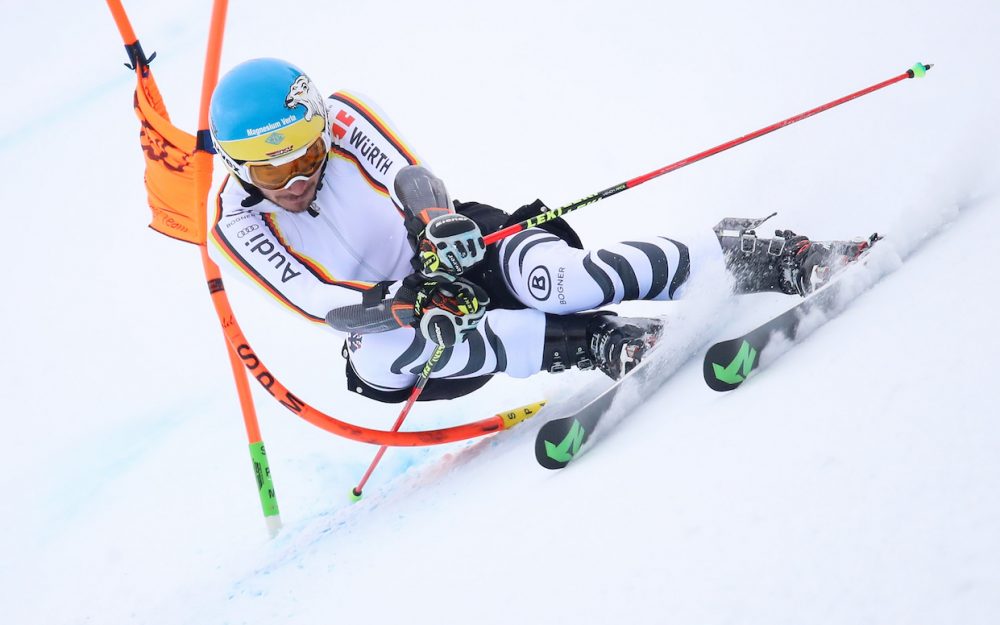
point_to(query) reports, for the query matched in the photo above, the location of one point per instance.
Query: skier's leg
(518, 343)
(545, 273)
(506, 341)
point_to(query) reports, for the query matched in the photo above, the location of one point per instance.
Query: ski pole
(418, 388)
(917, 71)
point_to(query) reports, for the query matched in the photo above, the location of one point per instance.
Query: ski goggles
(279, 173)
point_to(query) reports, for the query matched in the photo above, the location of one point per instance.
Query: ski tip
(522, 413)
(559, 441)
(728, 363)
(355, 495)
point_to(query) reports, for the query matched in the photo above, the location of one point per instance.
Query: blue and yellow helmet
(264, 110)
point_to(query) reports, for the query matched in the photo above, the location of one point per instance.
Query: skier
(328, 206)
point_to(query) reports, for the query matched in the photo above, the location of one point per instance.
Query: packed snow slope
(853, 481)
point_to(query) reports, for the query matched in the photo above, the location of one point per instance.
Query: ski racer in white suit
(312, 214)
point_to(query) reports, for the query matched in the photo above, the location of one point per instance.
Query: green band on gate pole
(268, 500)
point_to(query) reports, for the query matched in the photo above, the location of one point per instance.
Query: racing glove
(445, 311)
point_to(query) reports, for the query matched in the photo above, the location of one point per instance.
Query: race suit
(313, 261)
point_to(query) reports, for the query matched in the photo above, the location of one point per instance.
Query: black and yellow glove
(444, 311)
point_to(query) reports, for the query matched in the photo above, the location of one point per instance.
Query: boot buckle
(748, 242)
(585, 364)
(771, 247)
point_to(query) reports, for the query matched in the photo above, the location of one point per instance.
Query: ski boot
(788, 263)
(600, 340)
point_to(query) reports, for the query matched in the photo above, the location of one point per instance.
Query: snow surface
(853, 481)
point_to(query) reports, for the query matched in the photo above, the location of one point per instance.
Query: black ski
(728, 363)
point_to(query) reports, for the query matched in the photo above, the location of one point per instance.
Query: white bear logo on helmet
(302, 92)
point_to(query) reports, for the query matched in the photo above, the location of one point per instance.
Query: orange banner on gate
(170, 170)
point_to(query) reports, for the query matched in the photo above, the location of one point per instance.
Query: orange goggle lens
(274, 177)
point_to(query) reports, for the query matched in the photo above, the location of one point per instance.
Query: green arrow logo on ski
(564, 451)
(739, 368)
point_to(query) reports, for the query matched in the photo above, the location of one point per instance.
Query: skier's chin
(297, 197)
(296, 204)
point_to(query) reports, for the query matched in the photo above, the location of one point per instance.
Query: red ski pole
(418, 388)
(917, 71)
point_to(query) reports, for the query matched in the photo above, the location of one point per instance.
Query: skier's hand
(443, 311)
(449, 246)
